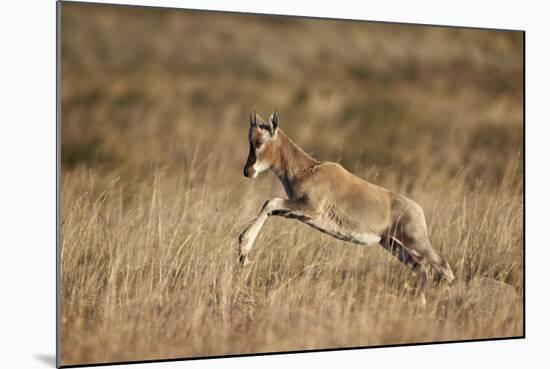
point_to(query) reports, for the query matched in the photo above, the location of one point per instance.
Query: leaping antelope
(330, 199)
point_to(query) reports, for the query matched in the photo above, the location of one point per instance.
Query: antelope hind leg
(397, 249)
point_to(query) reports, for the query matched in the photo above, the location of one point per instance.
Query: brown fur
(327, 197)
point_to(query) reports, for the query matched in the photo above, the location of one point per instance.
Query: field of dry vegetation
(155, 110)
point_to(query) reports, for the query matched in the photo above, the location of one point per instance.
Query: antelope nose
(245, 171)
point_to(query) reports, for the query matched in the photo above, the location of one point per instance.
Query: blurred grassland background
(155, 107)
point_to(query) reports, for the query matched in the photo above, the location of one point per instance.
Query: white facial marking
(259, 167)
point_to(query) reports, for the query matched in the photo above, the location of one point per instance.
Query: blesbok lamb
(327, 197)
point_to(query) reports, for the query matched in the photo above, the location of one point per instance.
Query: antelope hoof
(242, 239)
(243, 260)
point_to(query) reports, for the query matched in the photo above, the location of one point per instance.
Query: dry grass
(154, 119)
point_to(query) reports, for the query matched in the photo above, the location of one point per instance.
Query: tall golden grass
(154, 121)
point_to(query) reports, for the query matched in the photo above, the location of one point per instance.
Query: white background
(27, 183)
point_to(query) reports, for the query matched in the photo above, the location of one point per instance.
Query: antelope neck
(291, 161)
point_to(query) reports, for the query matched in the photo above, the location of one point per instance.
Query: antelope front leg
(248, 236)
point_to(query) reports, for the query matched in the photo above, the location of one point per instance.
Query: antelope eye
(259, 143)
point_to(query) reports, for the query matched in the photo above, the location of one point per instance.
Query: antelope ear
(274, 121)
(253, 122)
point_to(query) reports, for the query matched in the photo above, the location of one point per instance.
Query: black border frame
(58, 192)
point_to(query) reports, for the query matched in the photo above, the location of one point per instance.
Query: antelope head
(262, 139)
